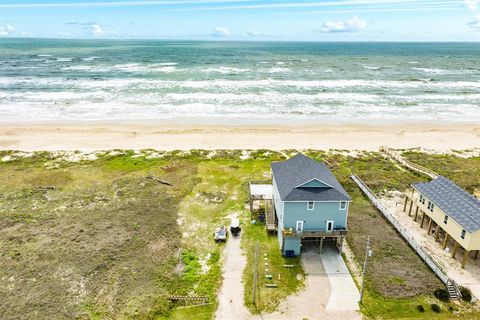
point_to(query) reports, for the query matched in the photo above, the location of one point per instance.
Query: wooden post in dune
(430, 226)
(454, 251)
(423, 219)
(405, 205)
(465, 258)
(416, 214)
(437, 232)
(410, 210)
(445, 241)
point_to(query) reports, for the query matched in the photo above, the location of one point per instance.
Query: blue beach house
(309, 204)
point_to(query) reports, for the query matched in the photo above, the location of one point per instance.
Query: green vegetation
(466, 294)
(463, 171)
(442, 294)
(85, 240)
(288, 280)
(89, 236)
(435, 308)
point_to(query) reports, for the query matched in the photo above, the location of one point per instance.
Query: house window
(430, 206)
(463, 234)
(422, 199)
(310, 205)
(445, 220)
(343, 205)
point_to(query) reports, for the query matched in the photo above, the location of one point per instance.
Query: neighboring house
(309, 204)
(452, 210)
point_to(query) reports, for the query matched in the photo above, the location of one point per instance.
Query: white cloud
(354, 24)
(6, 30)
(475, 24)
(96, 30)
(255, 33)
(221, 32)
(472, 5)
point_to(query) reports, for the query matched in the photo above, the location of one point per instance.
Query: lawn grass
(268, 299)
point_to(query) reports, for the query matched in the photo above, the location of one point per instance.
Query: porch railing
(314, 233)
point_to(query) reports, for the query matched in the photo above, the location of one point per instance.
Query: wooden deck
(316, 233)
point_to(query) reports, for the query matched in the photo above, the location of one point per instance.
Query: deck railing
(314, 233)
(429, 260)
(406, 163)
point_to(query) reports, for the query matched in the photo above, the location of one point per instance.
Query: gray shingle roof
(458, 204)
(292, 173)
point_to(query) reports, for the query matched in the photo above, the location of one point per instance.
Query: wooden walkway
(394, 155)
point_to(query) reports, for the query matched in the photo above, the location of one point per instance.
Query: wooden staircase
(270, 217)
(453, 290)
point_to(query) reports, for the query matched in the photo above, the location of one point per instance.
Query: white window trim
(314, 179)
(340, 206)
(308, 205)
(296, 225)
(326, 225)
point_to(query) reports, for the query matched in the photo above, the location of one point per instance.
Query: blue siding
(315, 219)
(291, 243)
(288, 213)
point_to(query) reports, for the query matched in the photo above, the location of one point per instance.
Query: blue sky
(327, 20)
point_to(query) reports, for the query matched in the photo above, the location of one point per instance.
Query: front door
(299, 226)
(329, 225)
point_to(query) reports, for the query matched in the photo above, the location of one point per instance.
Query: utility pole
(368, 253)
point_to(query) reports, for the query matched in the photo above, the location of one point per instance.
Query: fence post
(255, 275)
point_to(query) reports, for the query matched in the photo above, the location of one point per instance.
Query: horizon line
(238, 40)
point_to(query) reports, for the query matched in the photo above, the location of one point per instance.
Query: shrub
(466, 294)
(441, 294)
(435, 307)
(420, 308)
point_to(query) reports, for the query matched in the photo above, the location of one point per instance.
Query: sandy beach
(89, 136)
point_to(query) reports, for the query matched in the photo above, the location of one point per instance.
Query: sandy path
(230, 298)
(89, 136)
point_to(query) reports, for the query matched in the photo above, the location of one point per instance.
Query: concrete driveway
(344, 294)
(329, 292)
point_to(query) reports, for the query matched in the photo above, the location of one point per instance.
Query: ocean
(238, 82)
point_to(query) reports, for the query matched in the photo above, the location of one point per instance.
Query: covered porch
(261, 203)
